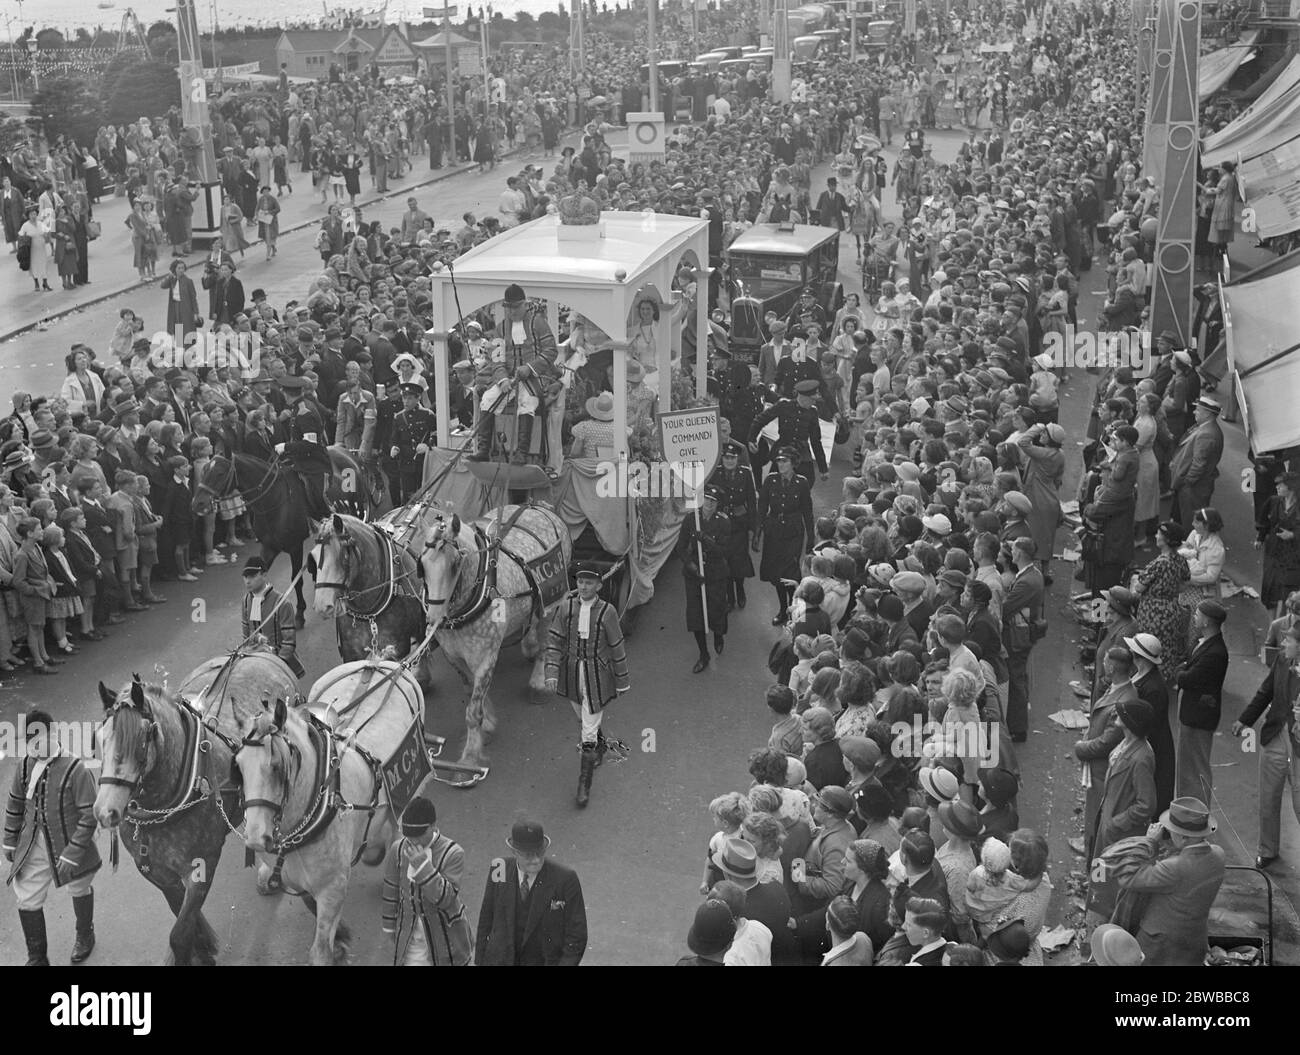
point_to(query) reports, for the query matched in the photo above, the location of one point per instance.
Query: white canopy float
(602, 272)
(601, 278)
(1264, 351)
(1217, 68)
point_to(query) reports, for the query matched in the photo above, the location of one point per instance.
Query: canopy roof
(636, 247)
(1273, 119)
(1217, 68)
(1264, 350)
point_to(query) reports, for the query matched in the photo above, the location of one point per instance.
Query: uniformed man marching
(413, 431)
(586, 662)
(711, 542)
(798, 429)
(265, 622)
(785, 528)
(49, 837)
(738, 502)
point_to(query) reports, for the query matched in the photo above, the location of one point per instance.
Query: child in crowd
(729, 812)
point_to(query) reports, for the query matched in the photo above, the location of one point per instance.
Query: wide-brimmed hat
(939, 783)
(712, 931)
(960, 819)
(601, 407)
(738, 861)
(1113, 946)
(528, 837)
(635, 372)
(1122, 599)
(1145, 645)
(1189, 816)
(1212, 405)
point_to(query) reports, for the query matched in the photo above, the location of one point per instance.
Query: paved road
(639, 846)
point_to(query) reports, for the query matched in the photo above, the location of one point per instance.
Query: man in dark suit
(533, 913)
(1278, 753)
(1200, 699)
(1021, 609)
(1195, 464)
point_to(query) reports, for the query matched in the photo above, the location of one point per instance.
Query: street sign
(450, 11)
(690, 444)
(407, 769)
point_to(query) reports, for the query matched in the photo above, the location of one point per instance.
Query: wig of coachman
(524, 375)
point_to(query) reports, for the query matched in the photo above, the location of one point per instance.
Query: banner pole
(699, 550)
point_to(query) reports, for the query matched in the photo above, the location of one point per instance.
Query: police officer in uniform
(714, 538)
(806, 310)
(798, 429)
(304, 448)
(785, 528)
(738, 502)
(386, 413)
(799, 367)
(413, 431)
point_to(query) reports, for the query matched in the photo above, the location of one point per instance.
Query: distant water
(70, 14)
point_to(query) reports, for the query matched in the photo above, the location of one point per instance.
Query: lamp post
(652, 54)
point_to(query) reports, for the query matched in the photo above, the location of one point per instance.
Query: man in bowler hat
(533, 913)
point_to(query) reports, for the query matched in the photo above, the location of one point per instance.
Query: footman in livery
(586, 662)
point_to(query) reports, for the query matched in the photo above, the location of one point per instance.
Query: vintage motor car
(768, 265)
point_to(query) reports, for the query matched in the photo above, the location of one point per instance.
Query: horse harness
(396, 579)
(192, 789)
(484, 590)
(328, 800)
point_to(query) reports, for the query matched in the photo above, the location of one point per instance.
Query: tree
(68, 105)
(161, 28)
(144, 90)
(50, 39)
(13, 133)
(84, 39)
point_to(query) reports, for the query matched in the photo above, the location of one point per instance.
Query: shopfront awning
(1273, 119)
(1217, 67)
(1264, 351)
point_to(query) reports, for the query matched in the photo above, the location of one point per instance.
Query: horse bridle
(231, 491)
(442, 537)
(147, 738)
(268, 740)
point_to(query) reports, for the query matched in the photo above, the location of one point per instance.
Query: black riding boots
(84, 908)
(590, 759)
(33, 922)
